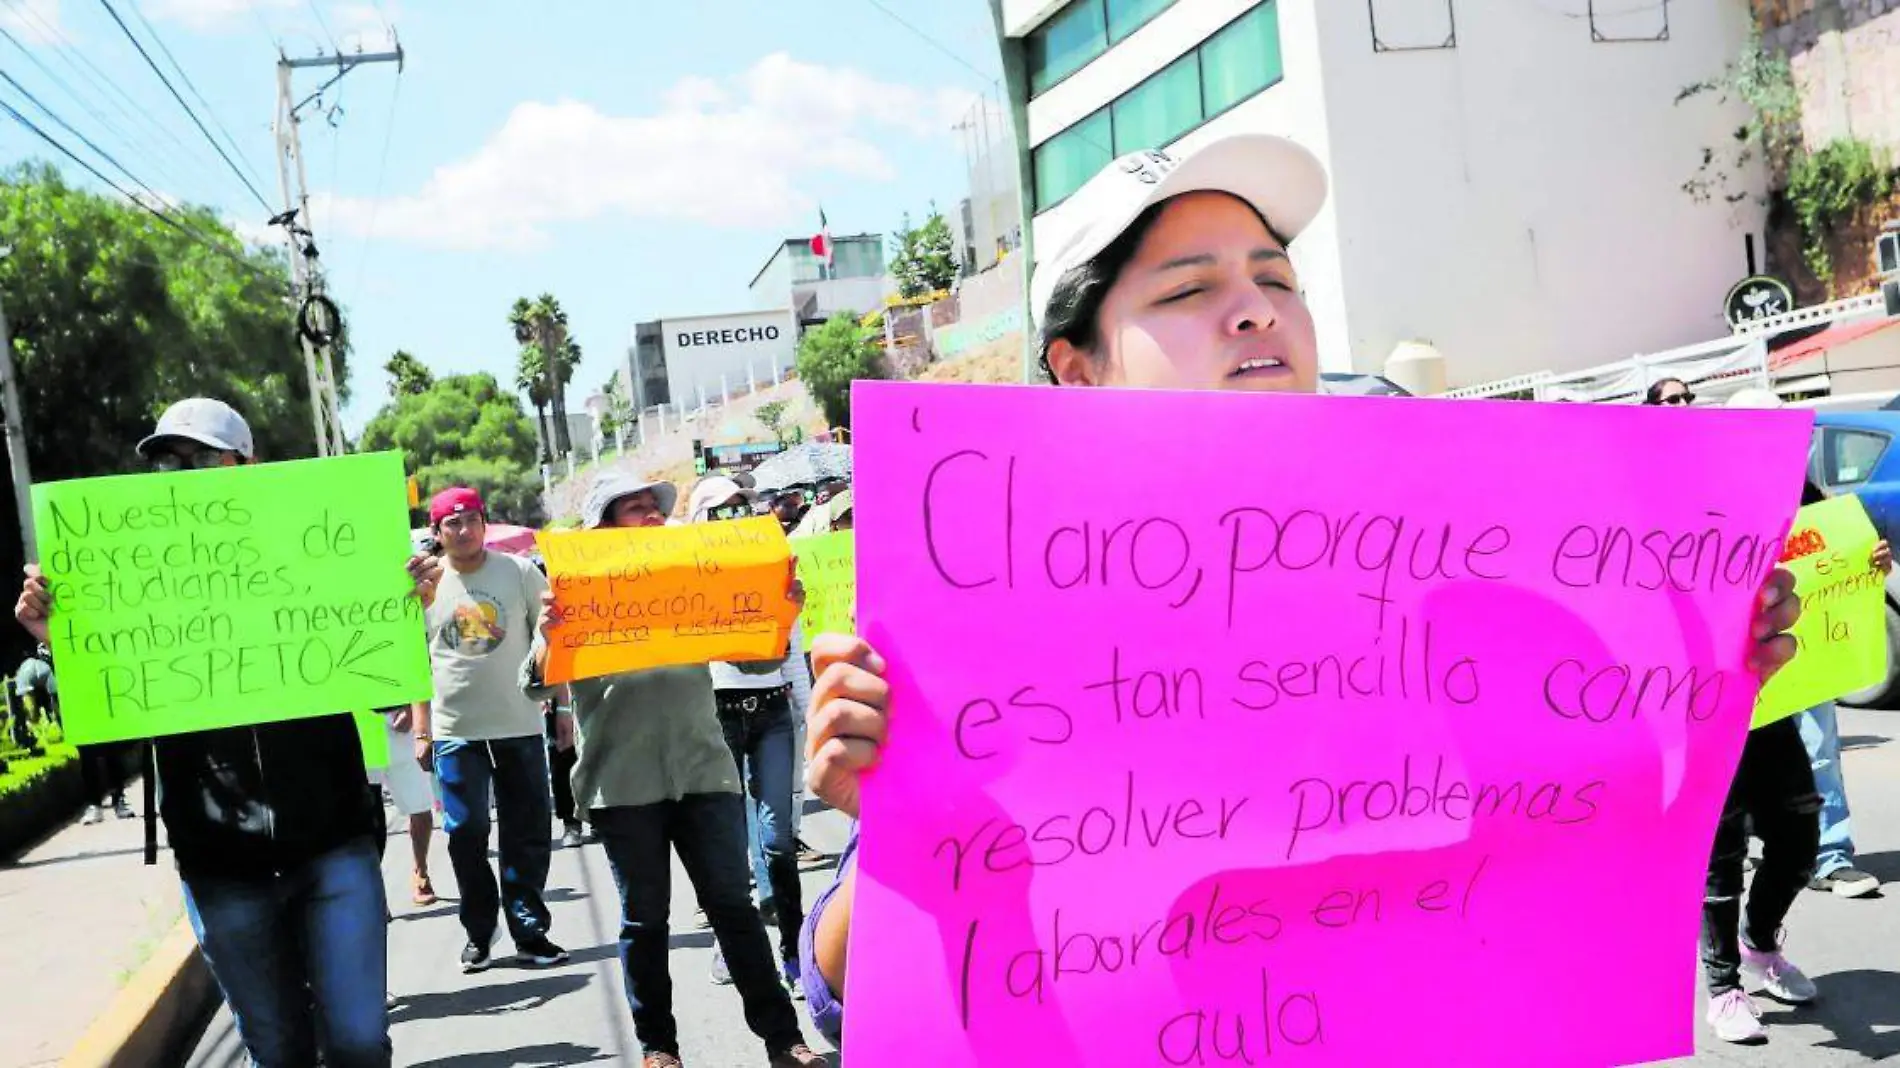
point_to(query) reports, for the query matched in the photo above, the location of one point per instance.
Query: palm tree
(542, 323)
(531, 377)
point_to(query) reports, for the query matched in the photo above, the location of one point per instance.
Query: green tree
(771, 416)
(923, 260)
(531, 378)
(407, 374)
(465, 430)
(832, 357)
(619, 414)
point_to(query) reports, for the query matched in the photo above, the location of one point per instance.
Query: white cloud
(32, 21)
(734, 153)
(209, 14)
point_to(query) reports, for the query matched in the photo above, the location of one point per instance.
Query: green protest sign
(373, 730)
(1842, 634)
(238, 595)
(828, 567)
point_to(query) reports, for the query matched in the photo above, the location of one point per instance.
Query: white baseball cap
(1284, 182)
(1756, 397)
(206, 421)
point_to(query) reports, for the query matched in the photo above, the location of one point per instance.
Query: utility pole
(16, 441)
(317, 322)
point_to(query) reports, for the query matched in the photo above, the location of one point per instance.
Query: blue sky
(638, 159)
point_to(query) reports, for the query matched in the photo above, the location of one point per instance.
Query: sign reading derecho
(201, 599)
(1234, 768)
(643, 597)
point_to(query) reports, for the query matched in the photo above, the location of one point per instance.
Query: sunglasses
(1677, 399)
(730, 511)
(198, 460)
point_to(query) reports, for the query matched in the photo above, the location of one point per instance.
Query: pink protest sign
(1311, 730)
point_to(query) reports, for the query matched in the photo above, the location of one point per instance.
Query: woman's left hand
(1776, 609)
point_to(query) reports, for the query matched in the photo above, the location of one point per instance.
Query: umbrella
(803, 465)
(502, 537)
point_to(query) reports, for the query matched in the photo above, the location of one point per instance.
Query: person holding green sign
(275, 830)
(1176, 276)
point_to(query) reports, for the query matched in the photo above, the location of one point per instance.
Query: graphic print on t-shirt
(475, 628)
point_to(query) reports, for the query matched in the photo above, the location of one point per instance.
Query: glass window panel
(1065, 44)
(1160, 109)
(1127, 16)
(1067, 160)
(1242, 59)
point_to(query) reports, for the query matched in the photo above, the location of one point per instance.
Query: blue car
(1853, 452)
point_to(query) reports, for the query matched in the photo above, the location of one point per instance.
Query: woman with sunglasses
(755, 713)
(1669, 392)
(1176, 275)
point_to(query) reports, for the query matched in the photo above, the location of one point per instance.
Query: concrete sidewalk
(79, 915)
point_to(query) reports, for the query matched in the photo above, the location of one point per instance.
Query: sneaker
(422, 890)
(701, 921)
(661, 1060)
(123, 810)
(1777, 978)
(1734, 1018)
(721, 975)
(768, 911)
(807, 856)
(389, 999)
(794, 984)
(94, 814)
(573, 838)
(475, 957)
(1845, 882)
(540, 952)
(798, 1056)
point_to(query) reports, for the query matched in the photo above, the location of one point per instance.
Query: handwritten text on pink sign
(1229, 728)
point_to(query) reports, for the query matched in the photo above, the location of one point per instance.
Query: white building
(1507, 184)
(689, 361)
(854, 284)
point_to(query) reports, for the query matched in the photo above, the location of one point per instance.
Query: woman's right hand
(549, 617)
(845, 726)
(35, 604)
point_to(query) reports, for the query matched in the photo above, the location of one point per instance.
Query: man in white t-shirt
(484, 735)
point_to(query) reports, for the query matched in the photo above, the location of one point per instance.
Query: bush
(832, 357)
(1825, 188)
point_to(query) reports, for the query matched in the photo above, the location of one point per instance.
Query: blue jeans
(758, 728)
(302, 958)
(516, 769)
(708, 832)
(1822, 735)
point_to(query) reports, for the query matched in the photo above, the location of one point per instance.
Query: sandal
(424, 891)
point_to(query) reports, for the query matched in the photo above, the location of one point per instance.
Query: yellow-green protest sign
(1842, 634)
(828, 568)
(373, 730)
(238, 595)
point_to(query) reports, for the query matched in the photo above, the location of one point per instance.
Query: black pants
(561, 770)
(1773, 789)
(102, 770)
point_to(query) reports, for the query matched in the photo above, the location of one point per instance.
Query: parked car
(1852, 452)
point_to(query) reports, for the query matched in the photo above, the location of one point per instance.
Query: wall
(1845, 56)
(1515, 200)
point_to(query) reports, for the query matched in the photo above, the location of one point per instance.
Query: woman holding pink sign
(1176, 276)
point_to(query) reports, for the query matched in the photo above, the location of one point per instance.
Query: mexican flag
(821, 241)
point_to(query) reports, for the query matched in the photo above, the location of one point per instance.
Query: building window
(1160, 109)
(1239, 61)
(1080, 32)
(1070, 158)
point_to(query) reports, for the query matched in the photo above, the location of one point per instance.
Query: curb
(157, 1015)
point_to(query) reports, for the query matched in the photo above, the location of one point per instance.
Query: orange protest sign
(644, 597)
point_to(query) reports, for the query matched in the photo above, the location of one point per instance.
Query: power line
(195, 121)
(196, 236)
(186, 78)
(325, 26)
(108, 89)
(382, 171)
(988, 79)
(67, 88)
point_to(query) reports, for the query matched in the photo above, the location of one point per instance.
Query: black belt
(747, 702)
